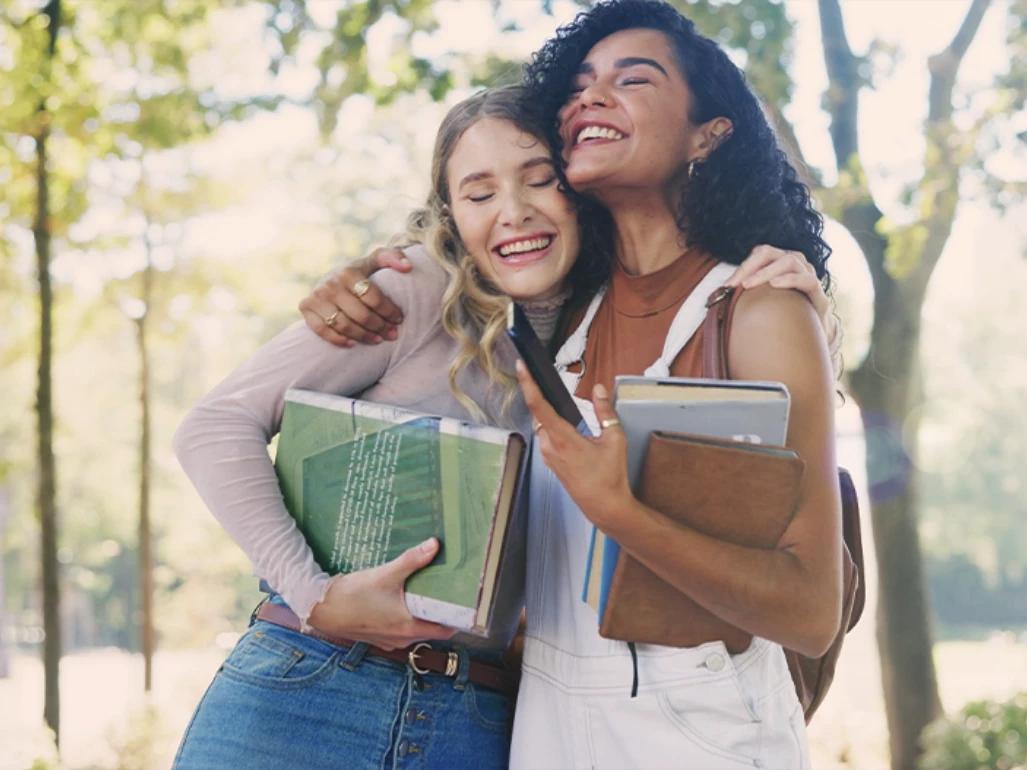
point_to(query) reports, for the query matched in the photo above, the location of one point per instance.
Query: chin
(526, 291)
(584, 178)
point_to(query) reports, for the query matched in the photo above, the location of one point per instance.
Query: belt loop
(355, 656)
(261, 603)
(463, 668)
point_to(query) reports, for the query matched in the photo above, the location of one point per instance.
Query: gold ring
(360, 288)
(330, 320)
(609, 423)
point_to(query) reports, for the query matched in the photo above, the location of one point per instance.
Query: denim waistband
(438, 644)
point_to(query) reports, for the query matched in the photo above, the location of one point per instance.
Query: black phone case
(540, 366)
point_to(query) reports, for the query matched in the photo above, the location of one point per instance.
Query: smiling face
(521, 231)
(625, 123)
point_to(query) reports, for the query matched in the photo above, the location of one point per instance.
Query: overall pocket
(716, 715)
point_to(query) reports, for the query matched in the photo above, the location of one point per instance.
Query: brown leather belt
(420, 657)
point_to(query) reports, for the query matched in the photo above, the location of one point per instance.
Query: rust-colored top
(632, 323)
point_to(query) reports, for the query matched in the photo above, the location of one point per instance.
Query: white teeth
(519, 247)
(597, 132)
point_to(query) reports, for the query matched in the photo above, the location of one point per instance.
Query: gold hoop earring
(691, 169)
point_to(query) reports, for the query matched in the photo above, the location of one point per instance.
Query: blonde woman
(321, 680)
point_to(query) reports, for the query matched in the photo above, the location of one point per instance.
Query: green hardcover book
(367, 481)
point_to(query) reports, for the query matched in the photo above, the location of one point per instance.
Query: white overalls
(698, 707)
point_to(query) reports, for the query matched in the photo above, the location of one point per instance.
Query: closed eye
(479, 198)
(545, 183)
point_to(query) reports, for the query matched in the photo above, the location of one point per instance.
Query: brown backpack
(812, 676)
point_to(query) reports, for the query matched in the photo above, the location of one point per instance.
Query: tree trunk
(147, 636)
(47, 494)
(887, 388)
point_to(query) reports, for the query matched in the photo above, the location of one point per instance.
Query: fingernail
(391, 334)
(428, 545)
(349, 343)
(519, 366)
(404, 261)
(600, 392)
(376, 339)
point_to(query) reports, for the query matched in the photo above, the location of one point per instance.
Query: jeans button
(410, 716)
(404, 747)
(715, 662)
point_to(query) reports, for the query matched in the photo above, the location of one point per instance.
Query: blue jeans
(284, 700)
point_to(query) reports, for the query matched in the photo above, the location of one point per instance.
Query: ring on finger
(360, 288)
(536, 426)
(609, 423)
(330, 320)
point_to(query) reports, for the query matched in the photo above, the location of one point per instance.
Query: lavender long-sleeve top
(223, 442)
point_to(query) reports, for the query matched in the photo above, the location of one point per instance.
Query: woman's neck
(544, 314)
(647, 234)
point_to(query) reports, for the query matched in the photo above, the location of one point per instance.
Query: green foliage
(136, 747)
(984, 735)
(759, 34)
(342, 60)
(905, 245)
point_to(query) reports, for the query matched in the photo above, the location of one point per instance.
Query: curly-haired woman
(657, 125)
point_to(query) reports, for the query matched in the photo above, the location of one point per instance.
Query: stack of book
(708, 454)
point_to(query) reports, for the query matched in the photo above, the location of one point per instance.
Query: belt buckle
(412, 658)
(452, 661)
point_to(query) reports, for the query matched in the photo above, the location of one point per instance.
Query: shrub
(985, 735)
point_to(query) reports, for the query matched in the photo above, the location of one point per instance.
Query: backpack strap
(812, 676)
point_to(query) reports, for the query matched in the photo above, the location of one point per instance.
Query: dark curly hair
(746, 192)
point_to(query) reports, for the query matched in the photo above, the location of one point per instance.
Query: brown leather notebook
(743, 493)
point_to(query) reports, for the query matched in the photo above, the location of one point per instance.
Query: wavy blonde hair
(473, 310)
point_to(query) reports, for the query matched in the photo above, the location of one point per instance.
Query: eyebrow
(477, 176)
(630, 61)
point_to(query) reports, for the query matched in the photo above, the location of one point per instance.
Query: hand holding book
(369, 605)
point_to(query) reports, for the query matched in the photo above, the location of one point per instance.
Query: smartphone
(540, 366)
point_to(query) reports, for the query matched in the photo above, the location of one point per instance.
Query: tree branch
(844, 84)
(944, 66)
(860, 216)
(940, 185)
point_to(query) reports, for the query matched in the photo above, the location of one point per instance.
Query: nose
(515, 210)
(595, 94)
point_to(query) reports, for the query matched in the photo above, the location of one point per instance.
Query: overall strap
(573, 350)
(689, 318)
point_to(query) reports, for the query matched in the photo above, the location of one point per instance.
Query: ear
(711, 135)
